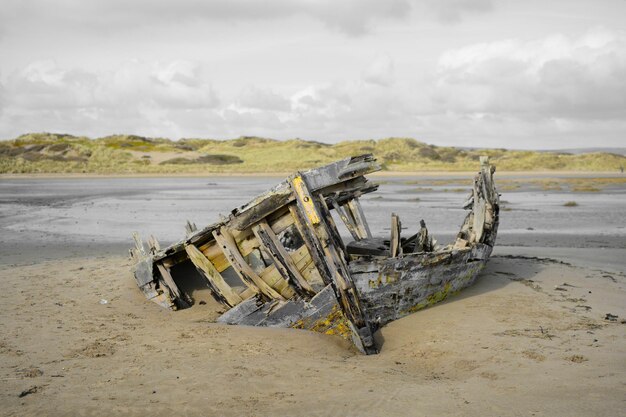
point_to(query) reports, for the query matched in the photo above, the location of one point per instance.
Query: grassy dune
(126, 154)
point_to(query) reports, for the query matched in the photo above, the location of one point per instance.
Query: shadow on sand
(498, 273)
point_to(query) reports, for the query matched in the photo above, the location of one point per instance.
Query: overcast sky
(515, 74)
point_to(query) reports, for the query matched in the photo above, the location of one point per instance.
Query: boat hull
(280, 261)
(393, 288)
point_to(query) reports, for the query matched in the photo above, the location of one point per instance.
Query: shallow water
(98, 215)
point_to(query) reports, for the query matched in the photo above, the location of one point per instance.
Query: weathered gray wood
(134, 255)
(179, 298)
(319, 231)
(322, 313)
(339, 171)
(361, 292)
(139, 244)
(281, 259)
(319, 178)
(396, 226)
(356, 211)
(423, 242)
(339, 273)
(395, 287)
(143, 272)
(238, 313)
(228, 245)
(331, 226)
(492, 202)
(153, 245)
(369, 247)
(348, 222)
(312, 245)
(261, 207)
(479, 219)
(222, 291)
(190, 228)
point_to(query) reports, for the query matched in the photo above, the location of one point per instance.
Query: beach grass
(131, 154)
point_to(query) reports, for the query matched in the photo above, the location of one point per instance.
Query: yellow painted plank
(307, 201)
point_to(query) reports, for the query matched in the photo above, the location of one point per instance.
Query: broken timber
(280, 260)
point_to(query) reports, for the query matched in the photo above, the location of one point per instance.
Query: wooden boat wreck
(280, 260)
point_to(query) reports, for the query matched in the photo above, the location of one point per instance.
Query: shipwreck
(280, 260)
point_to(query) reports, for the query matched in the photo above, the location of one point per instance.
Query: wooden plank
(190, 228)
(261, 207)
(221, 263)
(423, 242)
(479, 219)
(306, 200)
(304, 262)
(247, 293)
(346, 220)
(354, 207)
(274, 278)
(216, 281)
(331, 227)
(183, 301)
(282, 222)
(227, 244)
(339, 171)
(319, 178)
(321, 235)
(396, 227)
(301, 257)
(216, 256)
(281, 259)
(312, 275)
(340, 275)
(144, 271)
(247, 244)
(239, 235)
(209, 249)
(139, 244)
(153, 244)
(134, 254)
(315, 251)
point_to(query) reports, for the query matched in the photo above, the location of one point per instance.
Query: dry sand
(528, 339)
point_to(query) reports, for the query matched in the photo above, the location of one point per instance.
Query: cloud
(262, 99)
(177, 84)
(352, 109)
(45, 96)
(555, 77)
(352, 17)
(452, 11)
(42, 85)
(2, 96)
(355, 17)
(380, 72)
(556, 91)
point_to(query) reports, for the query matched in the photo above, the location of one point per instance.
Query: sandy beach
(541, 333)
